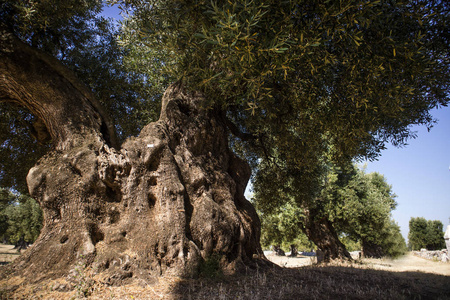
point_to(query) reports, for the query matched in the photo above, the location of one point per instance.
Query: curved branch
(42, 84)
(244, 136)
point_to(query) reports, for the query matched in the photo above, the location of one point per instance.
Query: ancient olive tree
(85, 43)
(303, 80)
(290, 80)
(161, 203)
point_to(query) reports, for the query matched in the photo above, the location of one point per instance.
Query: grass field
(409, 277)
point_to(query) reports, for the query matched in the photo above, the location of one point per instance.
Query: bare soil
(406, 263)
(7, 254)
(409, 277)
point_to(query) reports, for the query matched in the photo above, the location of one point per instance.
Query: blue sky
(419, 173)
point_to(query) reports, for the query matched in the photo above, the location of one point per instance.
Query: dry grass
(7, 253)
(371, 279)
(313, 282)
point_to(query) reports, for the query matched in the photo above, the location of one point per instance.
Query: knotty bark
(160, 204)
(321, 231)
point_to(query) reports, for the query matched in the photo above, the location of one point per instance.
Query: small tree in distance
(427, 234)
(20, 218)
(358, 204)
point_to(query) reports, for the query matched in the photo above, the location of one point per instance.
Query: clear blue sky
(419, 173)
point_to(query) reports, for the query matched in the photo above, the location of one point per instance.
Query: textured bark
(161, 204)
(321, 232)
(371, 250)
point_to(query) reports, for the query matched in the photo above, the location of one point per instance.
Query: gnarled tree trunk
(321, 231)
(372, 250)
(161, 204)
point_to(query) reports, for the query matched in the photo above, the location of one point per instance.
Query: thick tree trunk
(321, 232)
(166, 201)
(371, 250)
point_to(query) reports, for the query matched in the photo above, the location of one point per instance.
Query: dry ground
(7, 253)
(407, 263)
(409, 277)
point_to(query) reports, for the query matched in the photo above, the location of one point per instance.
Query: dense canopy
(295, 73)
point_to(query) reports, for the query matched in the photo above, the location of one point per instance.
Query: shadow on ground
(312, 282)
(315, 282)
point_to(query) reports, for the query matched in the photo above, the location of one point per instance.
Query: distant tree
(417, 236)
(427, 234)
(359, 206)
(435, 235)
(283, 228)
(21, 218)
(393, 243)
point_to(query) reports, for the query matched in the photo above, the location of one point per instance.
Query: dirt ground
(407, 263)
(409, 277)
(7, 253)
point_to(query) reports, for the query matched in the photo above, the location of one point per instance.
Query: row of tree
(428, 234)
(358, 204)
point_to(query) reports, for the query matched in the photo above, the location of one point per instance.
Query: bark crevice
(166, 201)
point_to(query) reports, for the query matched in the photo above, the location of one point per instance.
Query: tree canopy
(358, 204)
(293, 73)
(428, 234)
(295, 76)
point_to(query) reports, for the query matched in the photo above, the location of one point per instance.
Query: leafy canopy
(358, 204)
(356, 73)
(428, 234)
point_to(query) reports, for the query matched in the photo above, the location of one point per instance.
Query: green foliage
(357, 73)
(20, 217)
(283, 227)
(435, 235)
(350, 244)
(210, 268)
(427, 234)
(361, 207)
(358, 204)
(393, 243)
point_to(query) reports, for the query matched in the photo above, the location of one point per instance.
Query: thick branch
(244, 136)
(50, 91)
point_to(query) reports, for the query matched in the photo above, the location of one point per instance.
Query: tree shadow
(317, 282)
(261, 281)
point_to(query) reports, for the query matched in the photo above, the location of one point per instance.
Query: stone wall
(441, 255)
